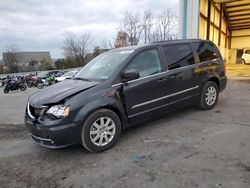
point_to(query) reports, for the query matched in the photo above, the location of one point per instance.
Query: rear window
(178, 56)
(206, 51)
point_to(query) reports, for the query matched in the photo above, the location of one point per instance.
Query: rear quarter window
(206, 51)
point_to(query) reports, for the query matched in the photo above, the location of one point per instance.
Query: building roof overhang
(238, 13)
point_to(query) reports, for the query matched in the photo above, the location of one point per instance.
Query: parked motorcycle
(2, 83)
(33, 82)
(30, 80)
(14, 85)
(46, 79)
(5, 80)
(46, 82)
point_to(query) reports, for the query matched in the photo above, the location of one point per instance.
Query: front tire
(30, 84)
(6, 90)
(101, 130)
(209, 96)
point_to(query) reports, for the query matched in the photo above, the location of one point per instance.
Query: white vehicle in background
(67, 75)
(246, 56)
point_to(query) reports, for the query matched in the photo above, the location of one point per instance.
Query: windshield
(103, 66)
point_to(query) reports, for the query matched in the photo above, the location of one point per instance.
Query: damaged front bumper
(52, 133)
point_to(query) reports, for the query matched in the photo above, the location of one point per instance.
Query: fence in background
(34, 72)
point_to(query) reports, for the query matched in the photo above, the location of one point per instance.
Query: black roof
(178, 41)
(159, 42)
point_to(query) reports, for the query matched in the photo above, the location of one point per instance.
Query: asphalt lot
(13, 105)
(187, 148)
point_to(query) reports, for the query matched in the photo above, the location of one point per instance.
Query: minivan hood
(59, 91)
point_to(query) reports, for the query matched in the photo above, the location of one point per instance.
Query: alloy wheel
(211, 95)
(102, 131)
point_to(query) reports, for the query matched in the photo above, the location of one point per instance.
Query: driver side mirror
(130, 75)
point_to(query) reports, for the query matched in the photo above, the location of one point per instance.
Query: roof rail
(161, 41)
(180, 40)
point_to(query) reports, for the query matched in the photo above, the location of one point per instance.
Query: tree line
(147, 28)
(135, 28)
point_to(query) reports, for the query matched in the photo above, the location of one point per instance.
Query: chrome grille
(33, 112)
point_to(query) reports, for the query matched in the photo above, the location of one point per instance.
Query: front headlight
(59, 111)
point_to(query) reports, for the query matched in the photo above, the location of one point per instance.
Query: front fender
(107, 102)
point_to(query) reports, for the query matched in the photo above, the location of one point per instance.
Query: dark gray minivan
(123, 87)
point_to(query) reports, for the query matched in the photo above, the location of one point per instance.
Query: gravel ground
(187, 148)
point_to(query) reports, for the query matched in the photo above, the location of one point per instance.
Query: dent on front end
(47, 109)
(52, 125)
(49, 130)
(49, 112)
(50, 117)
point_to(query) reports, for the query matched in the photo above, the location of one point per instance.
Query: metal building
(225, 22)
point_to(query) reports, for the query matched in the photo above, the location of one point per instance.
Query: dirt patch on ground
(243, 166)
(12, 132)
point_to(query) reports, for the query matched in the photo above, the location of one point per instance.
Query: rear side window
(206, 51)
(146, 63)
(178, 56)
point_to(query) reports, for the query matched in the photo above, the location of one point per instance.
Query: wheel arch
(114, 109)
(86, 111)
(216, 80)
(118, 112)
(244, 61)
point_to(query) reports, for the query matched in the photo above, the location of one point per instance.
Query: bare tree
(75, 47)
(108, 44)
(166, 23)
(147, 25)
(132, 27)
(121, 39)
(11, 58)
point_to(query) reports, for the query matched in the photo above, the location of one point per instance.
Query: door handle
(172, 77)
(162, 80)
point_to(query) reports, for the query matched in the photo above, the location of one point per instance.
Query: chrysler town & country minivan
(123, 87)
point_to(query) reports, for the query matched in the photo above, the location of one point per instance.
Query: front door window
(146, 63)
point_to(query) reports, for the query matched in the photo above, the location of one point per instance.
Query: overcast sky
(39, 25)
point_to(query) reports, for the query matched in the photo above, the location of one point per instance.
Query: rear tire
(101, 130)
(243, 60)
(40, 85)
(209, 96)
(6, 90)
